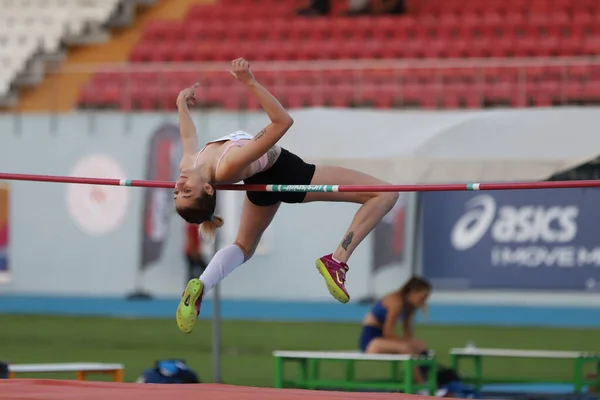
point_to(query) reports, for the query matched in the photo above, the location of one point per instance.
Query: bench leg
(454, 362)
(313, 372)
(597, 380)
(432, 383)
(303, 371)
(478, 372)
(408, 376)
(578, 378)
(117, 375)
(278, 377)
(349, 370)
(394, 370)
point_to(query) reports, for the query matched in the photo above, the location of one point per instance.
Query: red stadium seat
(264, 30)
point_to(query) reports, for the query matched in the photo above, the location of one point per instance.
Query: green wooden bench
(309, 362)
(476, 355)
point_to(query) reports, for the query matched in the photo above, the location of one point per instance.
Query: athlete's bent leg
(254, 221)
(375, 206)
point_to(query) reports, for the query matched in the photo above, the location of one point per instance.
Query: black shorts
(289, 169)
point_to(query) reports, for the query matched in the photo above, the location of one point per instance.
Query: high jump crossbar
(314, 188)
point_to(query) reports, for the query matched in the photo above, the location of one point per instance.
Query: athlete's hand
(187, 95)
(240, 69)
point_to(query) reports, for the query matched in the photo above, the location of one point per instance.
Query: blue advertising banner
(527, 239)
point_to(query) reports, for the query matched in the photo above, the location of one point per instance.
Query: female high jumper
(258, 159)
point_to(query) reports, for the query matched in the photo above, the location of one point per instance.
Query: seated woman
(378, 333)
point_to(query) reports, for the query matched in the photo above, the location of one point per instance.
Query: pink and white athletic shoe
(334, 273)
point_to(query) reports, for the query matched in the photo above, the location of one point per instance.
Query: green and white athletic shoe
(189, 306)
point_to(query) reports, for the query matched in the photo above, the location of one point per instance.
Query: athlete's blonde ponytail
(208, 229)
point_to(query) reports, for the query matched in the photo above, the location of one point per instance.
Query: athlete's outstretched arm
(187, 129)
(281, 121)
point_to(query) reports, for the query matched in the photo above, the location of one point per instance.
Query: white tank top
(237, 135)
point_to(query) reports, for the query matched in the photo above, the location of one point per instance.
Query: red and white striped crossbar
(314, 188)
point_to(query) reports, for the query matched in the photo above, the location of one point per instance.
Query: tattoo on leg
(347, 240)
(259, 134)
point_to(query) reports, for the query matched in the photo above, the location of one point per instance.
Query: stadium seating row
(72, 15)
(32, 28)
(376, 28)
(429, 95)
(229, 10)
(357, 49)
(505, 6)
(384, 76)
